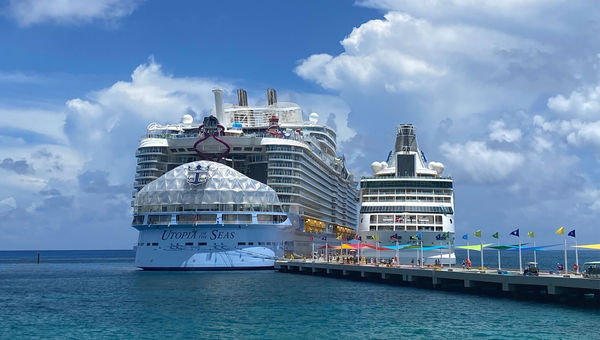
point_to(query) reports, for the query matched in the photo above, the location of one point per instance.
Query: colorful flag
(530, 234)
(446, 235)
(312, 238)
(417, 236)
(465, 236)
(375, 237)
(572, 233)
(495, 235)
(477, 233)
(515, 233)
(560, 231)
(324, 238)
(394, 237)
(438, 237)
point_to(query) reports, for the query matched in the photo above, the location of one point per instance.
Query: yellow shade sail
(589, 246)
(476, 247)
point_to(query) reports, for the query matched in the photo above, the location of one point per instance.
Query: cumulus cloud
(481, 163)
(31, 12)
(111, 120)
(404, 53)
(499, 133)
(582, 103)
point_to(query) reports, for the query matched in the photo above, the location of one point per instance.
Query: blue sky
(505, 93)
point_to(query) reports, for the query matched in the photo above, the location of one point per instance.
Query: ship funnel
(218, 104)
(242, 97)
(271, 96)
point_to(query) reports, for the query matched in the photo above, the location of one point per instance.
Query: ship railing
(405, 177)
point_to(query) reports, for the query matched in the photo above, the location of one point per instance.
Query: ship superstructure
(271, 144)
(409, 204)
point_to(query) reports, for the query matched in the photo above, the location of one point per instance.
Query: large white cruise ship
(271, 144)
(206, 216)
(408, 205)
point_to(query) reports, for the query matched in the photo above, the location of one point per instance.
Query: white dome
(187, 119)
(437, 167)
(313, 118)
(376, 166)
(222, 185)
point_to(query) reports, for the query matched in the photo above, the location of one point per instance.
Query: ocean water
(101, 295)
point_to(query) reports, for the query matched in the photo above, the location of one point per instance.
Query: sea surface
(101, 295)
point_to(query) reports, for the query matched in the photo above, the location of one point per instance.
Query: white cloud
(405, 53)
(499, 133)
(31, 12)
(47, 123)
(480, 162)
(583, 104)
(109, 121)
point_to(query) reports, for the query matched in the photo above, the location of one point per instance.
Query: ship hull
(212, 247)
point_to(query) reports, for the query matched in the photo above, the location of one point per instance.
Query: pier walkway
(546, 286)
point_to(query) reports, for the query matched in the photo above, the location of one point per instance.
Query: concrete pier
(560, 288)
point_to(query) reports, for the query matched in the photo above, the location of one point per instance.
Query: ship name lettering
(170, 235)
(220, 235)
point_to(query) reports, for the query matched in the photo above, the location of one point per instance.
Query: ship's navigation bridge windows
(138, 219)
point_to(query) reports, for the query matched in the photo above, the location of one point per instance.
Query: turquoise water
(81, 295)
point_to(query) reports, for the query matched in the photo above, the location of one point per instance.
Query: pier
(548, 287)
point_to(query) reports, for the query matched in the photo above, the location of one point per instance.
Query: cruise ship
(407, 205)
(271, 144)
(206, 216)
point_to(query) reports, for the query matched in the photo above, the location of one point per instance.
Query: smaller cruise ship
(205, 215)
(407, 205)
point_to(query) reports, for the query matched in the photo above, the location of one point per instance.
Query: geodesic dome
(223, 185)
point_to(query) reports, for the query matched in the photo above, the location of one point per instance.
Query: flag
(339, 237)
(416, 236)
(324, 238)
(312, 238)
(495, 235)
(560, 231)
(530, 234)
(375, 237)
(572, 233)
(356, 237)
(394, 237)
(515, 233)
(438, 237)
(445, 235)
(477, 233)
(465, 236)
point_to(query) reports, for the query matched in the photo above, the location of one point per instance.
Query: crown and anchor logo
(198, 174)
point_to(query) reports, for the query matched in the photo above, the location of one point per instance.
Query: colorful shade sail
(589, 246)
(476, 247)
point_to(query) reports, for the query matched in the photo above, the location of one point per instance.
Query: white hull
(211, 247)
